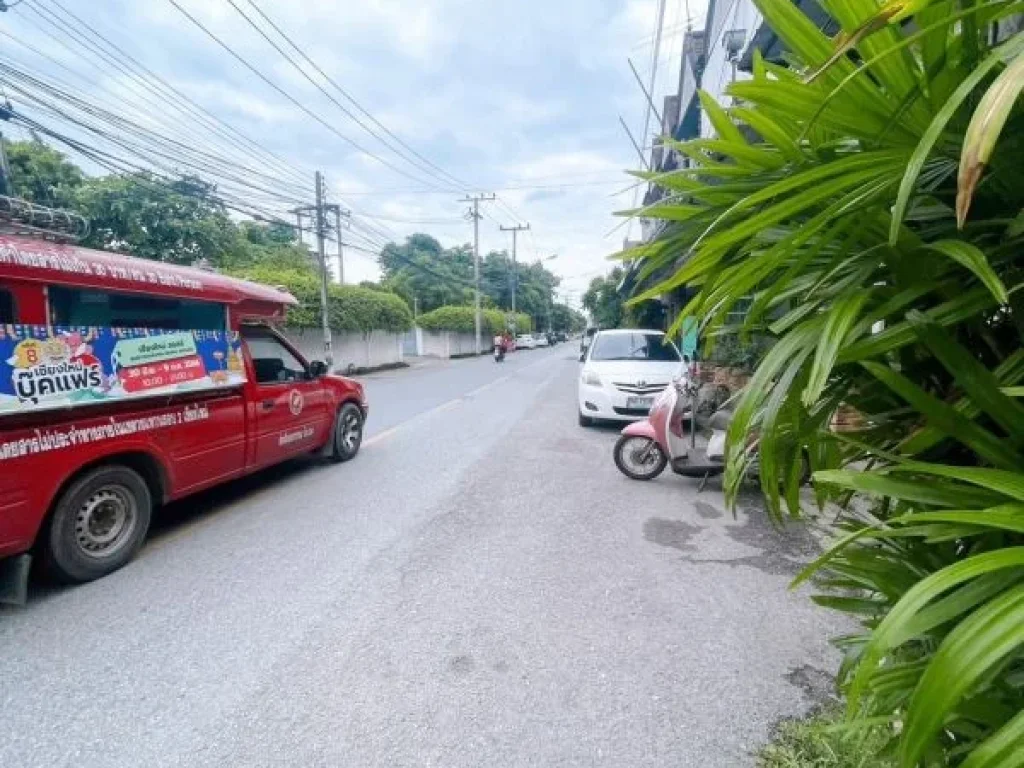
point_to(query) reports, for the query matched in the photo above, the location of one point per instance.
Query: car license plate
(639, 402)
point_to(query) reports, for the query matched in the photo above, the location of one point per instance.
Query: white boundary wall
(351, 349)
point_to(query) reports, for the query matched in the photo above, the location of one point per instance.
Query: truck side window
(70, 306)
(6, 307)
(272, 361)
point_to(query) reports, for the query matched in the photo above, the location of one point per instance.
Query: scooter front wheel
(639, 458)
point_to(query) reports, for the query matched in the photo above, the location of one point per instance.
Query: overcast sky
(521, 98)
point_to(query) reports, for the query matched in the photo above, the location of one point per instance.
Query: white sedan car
(540, 340)
(525, 341)
(623, 371)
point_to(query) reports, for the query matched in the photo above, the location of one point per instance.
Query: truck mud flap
(14, 579)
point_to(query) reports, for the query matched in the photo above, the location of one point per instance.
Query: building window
(272, 361)
(74, 307)
(6, 307)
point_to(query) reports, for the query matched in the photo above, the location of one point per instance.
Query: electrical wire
(516, 216)
(377, 217)
(163, 146)
(139, 174)
(416, 158)
(167, 95)
(153, 153)
(371, 238)
(165, 91)
(112, 120)
(421, 191)
(157, 144)
(302, 107)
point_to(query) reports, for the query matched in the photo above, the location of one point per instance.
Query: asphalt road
(480, 587)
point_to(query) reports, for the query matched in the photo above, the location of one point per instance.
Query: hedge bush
(462, 320)
(350, 307)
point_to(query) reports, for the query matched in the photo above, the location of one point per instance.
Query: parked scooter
(647, 447)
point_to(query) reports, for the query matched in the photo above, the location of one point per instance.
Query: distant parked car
(540, 340)
(525, 341)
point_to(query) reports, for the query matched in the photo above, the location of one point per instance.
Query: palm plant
(867, 203)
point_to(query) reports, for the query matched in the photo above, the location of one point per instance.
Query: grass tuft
(821, 742)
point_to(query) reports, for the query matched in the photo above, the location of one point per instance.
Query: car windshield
(634, 346)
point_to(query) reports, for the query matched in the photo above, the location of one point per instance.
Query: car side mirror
(317, 368)
(583, 356)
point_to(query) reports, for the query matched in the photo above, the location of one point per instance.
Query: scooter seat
(720, 420)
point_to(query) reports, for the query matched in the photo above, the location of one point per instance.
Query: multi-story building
(711, 60)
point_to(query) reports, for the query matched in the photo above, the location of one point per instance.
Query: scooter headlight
(591, 379)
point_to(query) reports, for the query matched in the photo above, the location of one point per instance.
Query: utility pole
(5, 171)
(515, 271)
(318, 217)
(340, 214)
(321, 226)
(6, 188)
(474, 214)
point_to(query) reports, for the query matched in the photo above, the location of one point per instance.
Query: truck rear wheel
(98, 525)
(348, 433)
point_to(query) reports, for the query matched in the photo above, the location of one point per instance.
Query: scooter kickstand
(703, 482)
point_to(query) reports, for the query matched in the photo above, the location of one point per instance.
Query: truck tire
(98, 524)
(347, 434)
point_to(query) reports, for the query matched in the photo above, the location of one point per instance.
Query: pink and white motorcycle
(647, 447)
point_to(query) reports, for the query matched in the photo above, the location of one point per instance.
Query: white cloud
(570, 163)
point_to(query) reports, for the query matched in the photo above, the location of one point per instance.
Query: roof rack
(20, 217)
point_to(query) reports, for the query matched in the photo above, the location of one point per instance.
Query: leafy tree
(462, 320)
(567, 320)
(272, 244)
(609, 309)
(181, 222)
(602, 299)
(270, 235)
(893, 284)
(350, 307)
(42, 175)
(646, 314)
(422, 270)
(535, 294)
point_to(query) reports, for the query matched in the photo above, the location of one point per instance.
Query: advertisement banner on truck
(43, 368)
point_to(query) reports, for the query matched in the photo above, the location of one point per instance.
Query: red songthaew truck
(126, 383)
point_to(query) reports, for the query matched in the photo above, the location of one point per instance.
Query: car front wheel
(348, 433)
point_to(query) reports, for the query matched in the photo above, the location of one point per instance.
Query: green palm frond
(841, 228)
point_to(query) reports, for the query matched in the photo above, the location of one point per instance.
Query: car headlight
(591, 379)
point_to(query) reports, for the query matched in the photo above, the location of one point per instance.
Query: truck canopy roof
(30, 259)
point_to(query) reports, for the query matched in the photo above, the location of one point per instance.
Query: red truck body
(177, 443)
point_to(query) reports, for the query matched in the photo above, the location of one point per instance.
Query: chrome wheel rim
(640, 455)
(105, 520)
(351, 428)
